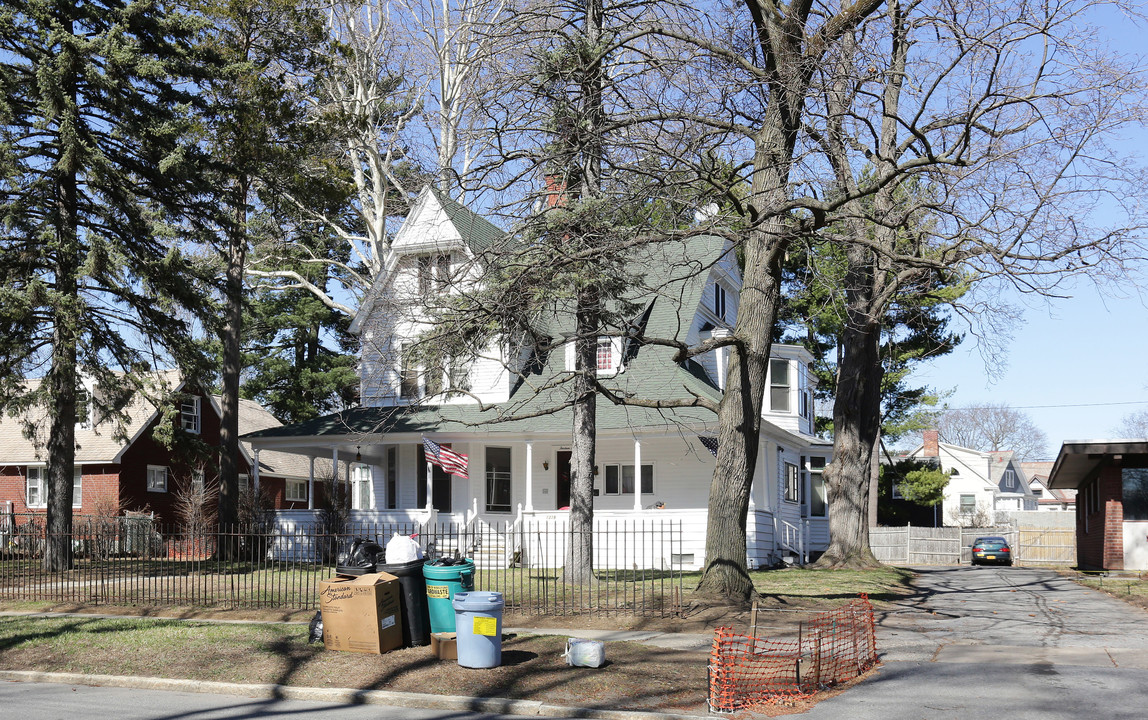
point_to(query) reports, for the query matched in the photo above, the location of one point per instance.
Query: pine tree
(94, 153)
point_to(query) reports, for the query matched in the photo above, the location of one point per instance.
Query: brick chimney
(555, 191)
(932, 444)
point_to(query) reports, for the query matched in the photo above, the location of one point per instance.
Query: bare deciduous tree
(1133, 425)
(993, 427)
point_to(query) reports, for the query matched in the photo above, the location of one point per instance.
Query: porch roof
(1078, 460)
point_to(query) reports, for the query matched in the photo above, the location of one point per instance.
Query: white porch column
(637, 474)
(529, 477)
(311, 485)
(255, 472)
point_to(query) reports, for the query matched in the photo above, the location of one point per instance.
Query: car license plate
(990, 557)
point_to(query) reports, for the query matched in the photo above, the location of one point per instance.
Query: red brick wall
(98, 487)
(1100, 534)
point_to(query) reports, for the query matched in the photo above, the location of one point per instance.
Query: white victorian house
(650, 463)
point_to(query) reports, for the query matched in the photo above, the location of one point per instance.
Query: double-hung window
(408, 373)
(36, 493)
(968, 504)
(818, 500)
(156, 478)
(620, 479)
(498, 479)
(779, 385)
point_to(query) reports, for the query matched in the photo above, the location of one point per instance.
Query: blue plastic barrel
(478, 622)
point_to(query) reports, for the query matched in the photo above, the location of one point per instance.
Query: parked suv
(991, 550)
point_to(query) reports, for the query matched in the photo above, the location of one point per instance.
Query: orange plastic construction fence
(832, 647)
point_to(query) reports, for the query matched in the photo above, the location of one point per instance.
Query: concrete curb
(350, 696)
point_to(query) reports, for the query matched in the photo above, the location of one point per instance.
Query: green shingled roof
(477, 232)
(674, 276)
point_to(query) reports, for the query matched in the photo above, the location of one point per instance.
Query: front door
(440, 486)
(563, 472)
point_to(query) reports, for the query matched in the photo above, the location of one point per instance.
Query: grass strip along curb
(348, 696)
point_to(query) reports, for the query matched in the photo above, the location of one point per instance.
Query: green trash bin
(443, 581)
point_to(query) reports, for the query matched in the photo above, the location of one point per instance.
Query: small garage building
(1111, 479)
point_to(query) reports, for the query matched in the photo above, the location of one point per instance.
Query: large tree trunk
(232, 362)
(66, 317)
(856, 420)
(726, 575)
(579, 568)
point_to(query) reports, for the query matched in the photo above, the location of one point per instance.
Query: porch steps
(491, 553)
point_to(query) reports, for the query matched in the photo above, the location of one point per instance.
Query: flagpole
(430, 487)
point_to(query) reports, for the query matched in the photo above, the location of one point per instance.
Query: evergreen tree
(93, 103)
(257, 132)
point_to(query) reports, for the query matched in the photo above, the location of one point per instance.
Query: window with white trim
(189, 414)
(719, 301)
(36, 487)
(779, 385)
(498, 479)
(1009, 480)
(968, 504)
(433, 272)
(792, 483)
(818, 500)
(408, 373)
(295, 490)
(605, 355)
(244, 482)
(197, 482)
(620, 479)
(392, 478)
(35, 492)
(360, 487)
(156, 478)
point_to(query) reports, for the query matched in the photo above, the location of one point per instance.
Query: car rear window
(990, 543)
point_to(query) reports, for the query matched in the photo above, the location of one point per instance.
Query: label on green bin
(486, 626)
(438, 591)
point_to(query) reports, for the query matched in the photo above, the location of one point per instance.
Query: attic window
(719, 301)
(189, 415)
(1009, 480)
(434, 272)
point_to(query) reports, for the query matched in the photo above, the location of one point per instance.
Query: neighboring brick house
(139, 473)
(1111, 482)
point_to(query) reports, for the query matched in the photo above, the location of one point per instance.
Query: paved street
(1014, 643)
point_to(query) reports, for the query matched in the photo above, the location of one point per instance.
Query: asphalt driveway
(1003, 642)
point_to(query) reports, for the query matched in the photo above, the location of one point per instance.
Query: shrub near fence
(833, 647)
(134, 562)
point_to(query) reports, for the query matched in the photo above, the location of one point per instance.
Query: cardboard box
(444, 645)
(361, 614)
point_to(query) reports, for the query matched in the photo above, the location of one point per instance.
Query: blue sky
(1075, 366)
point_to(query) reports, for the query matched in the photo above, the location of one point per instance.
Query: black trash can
(413, 600)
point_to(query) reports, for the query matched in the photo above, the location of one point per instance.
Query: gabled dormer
(437, 240)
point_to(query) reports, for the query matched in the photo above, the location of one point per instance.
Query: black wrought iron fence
(135, 561)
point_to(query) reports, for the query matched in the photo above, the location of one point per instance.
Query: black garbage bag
(362, 557)
(316, 628)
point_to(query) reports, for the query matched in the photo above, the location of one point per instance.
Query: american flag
(710, 443)
(445, 458)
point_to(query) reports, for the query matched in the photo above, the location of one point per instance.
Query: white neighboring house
(1048, 499)
(490, 408)
(983, 486)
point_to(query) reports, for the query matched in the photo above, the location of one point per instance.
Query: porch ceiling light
(358, 455)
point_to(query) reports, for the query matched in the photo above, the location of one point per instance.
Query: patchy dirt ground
(636, 677)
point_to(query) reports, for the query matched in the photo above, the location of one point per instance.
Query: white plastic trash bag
(584, 653)
(402, 549)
